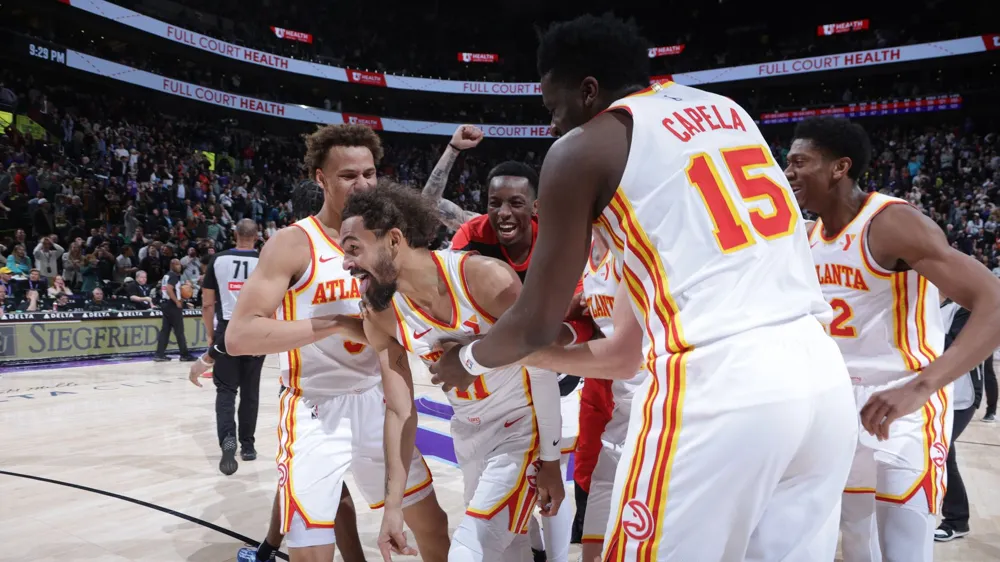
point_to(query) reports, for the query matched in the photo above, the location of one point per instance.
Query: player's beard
(379, 293)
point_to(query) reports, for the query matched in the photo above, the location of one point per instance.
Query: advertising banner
(478, 57)
(58, 336)
(282, 33)
(665, 51)
(842, 27)
(842, 61)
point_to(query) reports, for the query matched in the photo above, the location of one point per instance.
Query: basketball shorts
(319, 439)
(909, 467)
(737, 450)
(498, 461)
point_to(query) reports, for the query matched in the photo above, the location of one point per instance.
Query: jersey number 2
(731, 232)
(840, 328)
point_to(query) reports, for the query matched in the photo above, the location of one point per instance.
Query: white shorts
(909, 467)
(319, 438)
(498, 461)
(569, 406)
(737, 450)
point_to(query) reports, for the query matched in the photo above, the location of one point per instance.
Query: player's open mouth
(363, 278)
(506, 229)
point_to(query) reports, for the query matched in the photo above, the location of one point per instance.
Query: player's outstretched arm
(253, 330)
(399, 429)
(452, 216)
(902, 233)
(617, 357)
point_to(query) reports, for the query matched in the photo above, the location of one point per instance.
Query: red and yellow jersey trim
(468, 293)
(521, 498)
(870, 264)
(301, 286)
(326, 237)
(901, 314)
(453, 323)
(831, 239)
(290, 505)
(294, 356)
(660, 308)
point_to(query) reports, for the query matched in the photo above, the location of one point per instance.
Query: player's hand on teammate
(551, 490)
(466, 137)
(392, 537)
(448, 371)
(887, 406)
(577, 307)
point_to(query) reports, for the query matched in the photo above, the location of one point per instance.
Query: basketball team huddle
(775, 382)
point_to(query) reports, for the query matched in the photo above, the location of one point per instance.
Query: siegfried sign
(94, 336)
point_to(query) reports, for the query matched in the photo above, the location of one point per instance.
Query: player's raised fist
(466, 137)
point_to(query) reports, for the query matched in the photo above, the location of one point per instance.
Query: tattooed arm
(452, 216)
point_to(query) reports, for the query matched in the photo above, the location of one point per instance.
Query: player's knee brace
(906, 532)
(860, 533)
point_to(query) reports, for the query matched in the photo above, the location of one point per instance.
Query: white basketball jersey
(887, 324)
(600, 284)
(332, 365)
(710, 237)
(493, 394)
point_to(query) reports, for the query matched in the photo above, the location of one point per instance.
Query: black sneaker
(946, 533)
(248, 454)
(228, 464)
(538, 555)
(160, 358)
(989, 418)
(188, 358)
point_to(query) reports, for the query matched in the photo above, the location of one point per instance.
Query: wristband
(455, 147)
(582, 330)
(469, 362)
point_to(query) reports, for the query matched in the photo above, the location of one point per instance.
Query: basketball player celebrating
(507, 232)
(297, 303)
(732, 453)
(880, 263)
(226, 273)
(415, 299)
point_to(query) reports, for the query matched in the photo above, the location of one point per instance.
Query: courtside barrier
(841, 61)
(45, 337)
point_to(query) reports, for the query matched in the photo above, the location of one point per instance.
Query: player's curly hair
(604, 47)
(391, 205)
(838, 138)
(319, 143)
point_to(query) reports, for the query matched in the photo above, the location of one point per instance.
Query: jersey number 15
(731, 233)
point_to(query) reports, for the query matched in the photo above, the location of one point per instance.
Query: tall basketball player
(880, 263)
(507, 449)
(298, 303)
(731, 453)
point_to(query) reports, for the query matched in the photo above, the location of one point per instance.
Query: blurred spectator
(47, 254)
(58, 288)
(36, 282)
(139, 292)
(96, 302)
(18, 261)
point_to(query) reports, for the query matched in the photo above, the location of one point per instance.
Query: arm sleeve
(210, 281)
(545, 400)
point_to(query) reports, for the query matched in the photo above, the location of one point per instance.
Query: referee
(227, 271)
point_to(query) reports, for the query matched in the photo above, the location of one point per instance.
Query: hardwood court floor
(139, 429)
